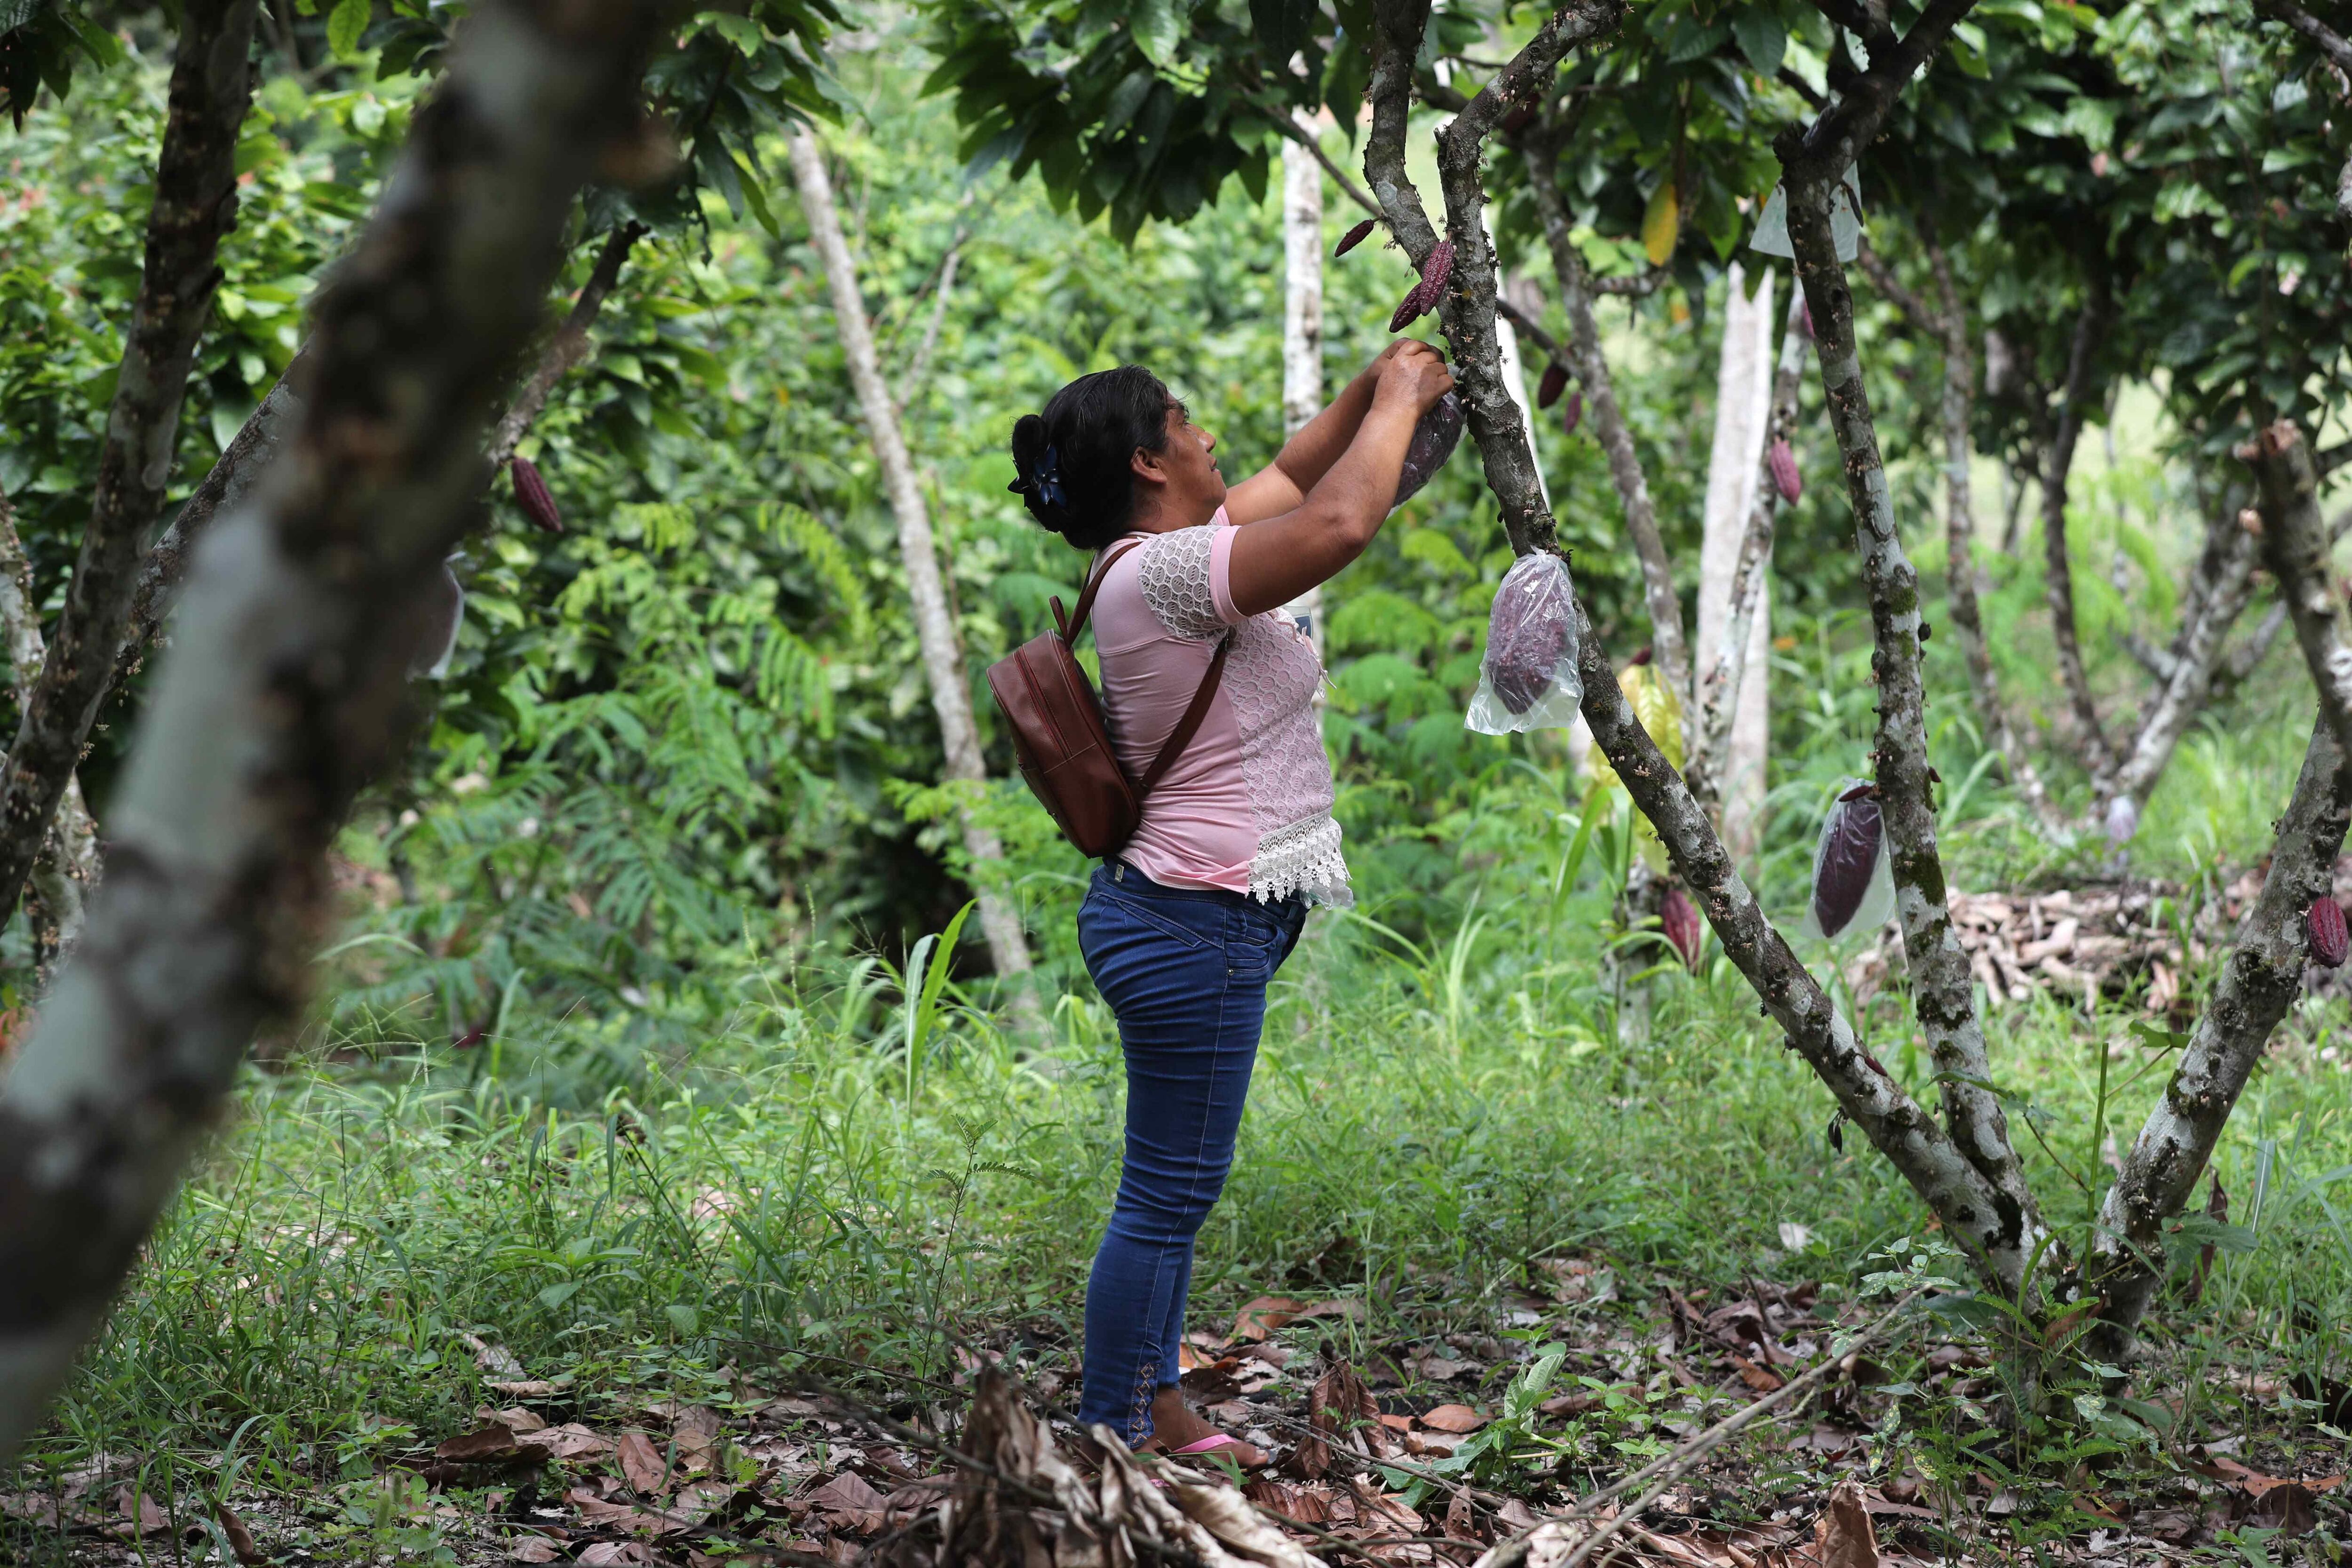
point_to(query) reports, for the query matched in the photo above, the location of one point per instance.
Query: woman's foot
(1175, 1427)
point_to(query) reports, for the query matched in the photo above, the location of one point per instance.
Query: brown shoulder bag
(1058, 733)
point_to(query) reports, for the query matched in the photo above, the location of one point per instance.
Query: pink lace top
(1248, 806)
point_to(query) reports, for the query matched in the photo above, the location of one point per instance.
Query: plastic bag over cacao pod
(1434, 436)
(1854, 882)
(1527, 679)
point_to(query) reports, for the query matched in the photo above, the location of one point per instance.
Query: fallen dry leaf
(1453, 1418)
(850, 1500)
(524, 1388)
(494, 1359)
(641, 1463)
(1262, 1317)
(604, 1554)
(136, 1515)
(494, 1441)
(514, 1418)
(1763, 1380)
(241, 1543)
(1843, 1536)
(534, 1549)
(569, 1441)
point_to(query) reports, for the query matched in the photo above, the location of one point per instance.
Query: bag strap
(1073, 626)
(1190, 725)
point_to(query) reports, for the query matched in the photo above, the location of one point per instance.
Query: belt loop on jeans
(1118, 871)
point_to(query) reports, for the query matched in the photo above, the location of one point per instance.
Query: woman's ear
(1149, 466)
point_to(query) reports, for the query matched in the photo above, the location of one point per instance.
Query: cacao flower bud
(1680, 918)
(1785, 478)
(531, 494)
(1434, 440)
(1575, 414)
(1354, 238)
(2328, 934)
(1554, 383)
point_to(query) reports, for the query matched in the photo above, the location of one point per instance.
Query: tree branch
(289, 687)
(567, 348)
(66, 870)
(195, 203)
(2190, 680)
(2264, 971)
(1837, 138)
(1667, 643)
(1313, 145)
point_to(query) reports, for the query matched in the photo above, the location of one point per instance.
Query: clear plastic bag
(1527, 679)
(1854, 880)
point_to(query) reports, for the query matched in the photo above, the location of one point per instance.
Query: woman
(1185, 926)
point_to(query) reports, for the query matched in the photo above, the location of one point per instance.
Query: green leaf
(1157, 28)
(554, 1296)
(1762, 37)
(684, 1318)
(344, 27)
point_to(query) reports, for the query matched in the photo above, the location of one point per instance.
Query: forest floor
(1453, 1443)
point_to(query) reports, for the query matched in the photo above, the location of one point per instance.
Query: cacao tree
(1581, 121)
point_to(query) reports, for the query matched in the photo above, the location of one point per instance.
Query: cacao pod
(1785, 478)
(1846, 862)
(1408, 310)
(1526, 632)
(1554, 383)
(1354, 238)
(2328, 934)
(1680, 918)
(531, 494)
(1518, 119)
(1575, 414)
(1434, 440)
(1424, 296)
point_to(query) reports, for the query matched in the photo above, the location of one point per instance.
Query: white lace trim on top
(1302, 859)
(1172, 570)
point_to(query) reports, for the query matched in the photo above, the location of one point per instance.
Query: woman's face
(1186, 466)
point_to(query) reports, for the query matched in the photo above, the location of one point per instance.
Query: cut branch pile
(2089, 943)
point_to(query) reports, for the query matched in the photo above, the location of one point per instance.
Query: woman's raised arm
(1307, 456)
(1329, 524)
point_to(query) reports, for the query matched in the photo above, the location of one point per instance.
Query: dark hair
(1072, 458)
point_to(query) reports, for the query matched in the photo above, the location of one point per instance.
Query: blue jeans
(1185, 972)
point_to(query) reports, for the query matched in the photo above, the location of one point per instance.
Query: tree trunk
(1943, 995)
(1721, 679)
(2264, 971)
(2057, 464)
(1957, 411)
(66, 867)
(1743, 408)
(1302, 328)
(194, 204)
(1971, 1206)
(1000, 919)
(288, 689)
(567, 348)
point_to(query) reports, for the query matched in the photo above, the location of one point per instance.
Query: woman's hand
(1283, 484)
(1414, 374)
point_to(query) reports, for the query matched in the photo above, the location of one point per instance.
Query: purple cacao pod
(1680, 918)
(1785, 478)
(1848, 856)
(1434, 440)
(1354, 238)
(1424, 296)
(1527, 631)
(531, 494)
(1575, 414)
(2328, 934)
(1554, 383)
(1408, 310)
